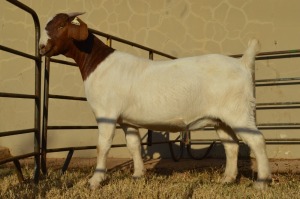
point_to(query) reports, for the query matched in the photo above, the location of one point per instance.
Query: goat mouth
(44, 51)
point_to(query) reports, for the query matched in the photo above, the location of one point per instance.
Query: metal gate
(36, 97)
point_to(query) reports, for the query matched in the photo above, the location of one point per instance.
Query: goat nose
(41, 46)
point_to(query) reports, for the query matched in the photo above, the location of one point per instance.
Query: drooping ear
(77, 29)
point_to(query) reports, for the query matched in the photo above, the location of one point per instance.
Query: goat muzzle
(43, 49)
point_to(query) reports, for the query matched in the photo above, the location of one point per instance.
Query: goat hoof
(262, 184)
(137, 177)
(95, 181)
(228, 180)
(93, 184)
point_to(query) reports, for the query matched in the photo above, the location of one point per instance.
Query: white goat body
(176, 95)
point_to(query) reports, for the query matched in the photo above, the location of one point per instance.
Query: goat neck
(88, 54)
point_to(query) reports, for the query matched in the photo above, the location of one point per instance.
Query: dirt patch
(4, 153)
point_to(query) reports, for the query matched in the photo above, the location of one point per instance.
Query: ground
(164, 179)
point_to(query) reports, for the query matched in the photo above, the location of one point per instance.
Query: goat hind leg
(255, 140)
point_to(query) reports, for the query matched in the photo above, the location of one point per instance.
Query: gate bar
(16, 52)
(17, 132)
(36, 96)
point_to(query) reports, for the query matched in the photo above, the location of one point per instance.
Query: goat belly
(174, 125)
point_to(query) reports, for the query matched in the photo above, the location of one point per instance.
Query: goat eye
(61, 26)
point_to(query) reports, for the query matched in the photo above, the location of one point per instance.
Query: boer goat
(176, 95)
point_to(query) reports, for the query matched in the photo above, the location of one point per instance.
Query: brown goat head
(60, 32)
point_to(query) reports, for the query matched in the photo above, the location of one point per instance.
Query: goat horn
(75, 14)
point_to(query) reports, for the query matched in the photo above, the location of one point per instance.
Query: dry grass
(157, 183)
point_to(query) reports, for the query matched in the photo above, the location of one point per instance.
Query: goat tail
(248, 58)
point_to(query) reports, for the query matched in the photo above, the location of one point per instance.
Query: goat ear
(77, 29)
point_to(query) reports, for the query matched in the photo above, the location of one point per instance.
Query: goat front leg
(133, 140)
(106, 134)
